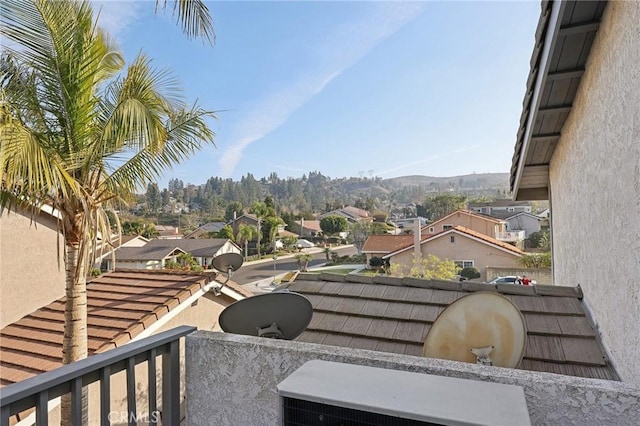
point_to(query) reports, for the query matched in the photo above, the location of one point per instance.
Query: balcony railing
(511, 235)
(71, 378)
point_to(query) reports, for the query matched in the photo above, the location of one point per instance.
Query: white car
(512, 279)
(304, 244)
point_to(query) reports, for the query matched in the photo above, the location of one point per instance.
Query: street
(251, 272)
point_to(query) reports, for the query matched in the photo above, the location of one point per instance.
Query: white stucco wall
(232, 380)
(595, 188)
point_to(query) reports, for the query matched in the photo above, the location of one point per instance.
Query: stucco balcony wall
(232, 380)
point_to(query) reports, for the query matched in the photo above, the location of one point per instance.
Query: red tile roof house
(495, 228)
(464, 246)
(381, 245)
(123, 306)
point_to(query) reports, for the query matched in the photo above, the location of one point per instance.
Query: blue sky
(346, 88)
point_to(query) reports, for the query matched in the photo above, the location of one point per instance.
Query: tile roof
(395, 314)
(386, 243)
(469, 213)
(158, 249)
(121, 305)
(461, 230)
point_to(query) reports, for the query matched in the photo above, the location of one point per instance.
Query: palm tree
(193, 16)
(245, 234)
(260, 210)
(80, 138)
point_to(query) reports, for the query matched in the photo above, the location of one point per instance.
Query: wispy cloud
(426, 160)
(342, 48)
(117, 15)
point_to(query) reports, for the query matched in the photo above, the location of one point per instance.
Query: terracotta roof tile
(383, 244)
(120, 305)
(397, 318)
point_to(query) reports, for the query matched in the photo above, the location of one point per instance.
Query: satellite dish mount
(226, 263)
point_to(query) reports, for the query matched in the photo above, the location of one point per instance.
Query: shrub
(376, 262)
(469, 273)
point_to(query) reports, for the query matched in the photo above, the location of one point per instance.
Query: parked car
(304, 244)
(511, 279)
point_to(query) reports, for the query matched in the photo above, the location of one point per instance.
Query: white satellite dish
(483, 328)
(227, 263)
(279, 315)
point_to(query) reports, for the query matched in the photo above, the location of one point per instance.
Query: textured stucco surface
(231, 380)
(30, 275)
(595, 188)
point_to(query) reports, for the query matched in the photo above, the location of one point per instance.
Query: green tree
(359, 233)
(260, 210)
(226, 232)
(270, 230)
(333, 224)
(154, 199)
(430, 267)
(535, 260)
(245, 234)
(303, 259)
(67, 120)
(234, 208)
(441, 205)
(470, 273)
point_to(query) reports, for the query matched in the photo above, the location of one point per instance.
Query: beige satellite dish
(483, 328)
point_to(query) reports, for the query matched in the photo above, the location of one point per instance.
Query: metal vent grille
(297, 412)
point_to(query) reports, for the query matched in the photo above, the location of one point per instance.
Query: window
(453, 239)
(431, 229)
(464, 263)
(445, 227)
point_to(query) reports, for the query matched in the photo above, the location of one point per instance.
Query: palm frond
(194, 17)
(187, 132)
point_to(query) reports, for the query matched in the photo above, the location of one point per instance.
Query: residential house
(308, 228)
(206, 229)
(31, 272)
(526, 222)
(579, 142)
(466, 247)
(381, 245)
(123, 306)
(245, 219)
(500, 207)
(352, 214)
(494, 228)
(167, 232)
(156, 253)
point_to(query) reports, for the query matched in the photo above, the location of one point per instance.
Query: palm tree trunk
(74, 344)
(259, 234)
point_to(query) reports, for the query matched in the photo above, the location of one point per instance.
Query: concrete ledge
(328, 276)
(307, 276)
(435, 284)
(471, 286)
(381, 279)
(232, 379)
(552, 290)
(526, 290)
(355, 278)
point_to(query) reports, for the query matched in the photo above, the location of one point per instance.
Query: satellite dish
(483, 328)
(279, 315)
(229, 263)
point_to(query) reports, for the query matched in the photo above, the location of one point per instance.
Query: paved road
(251, 272)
